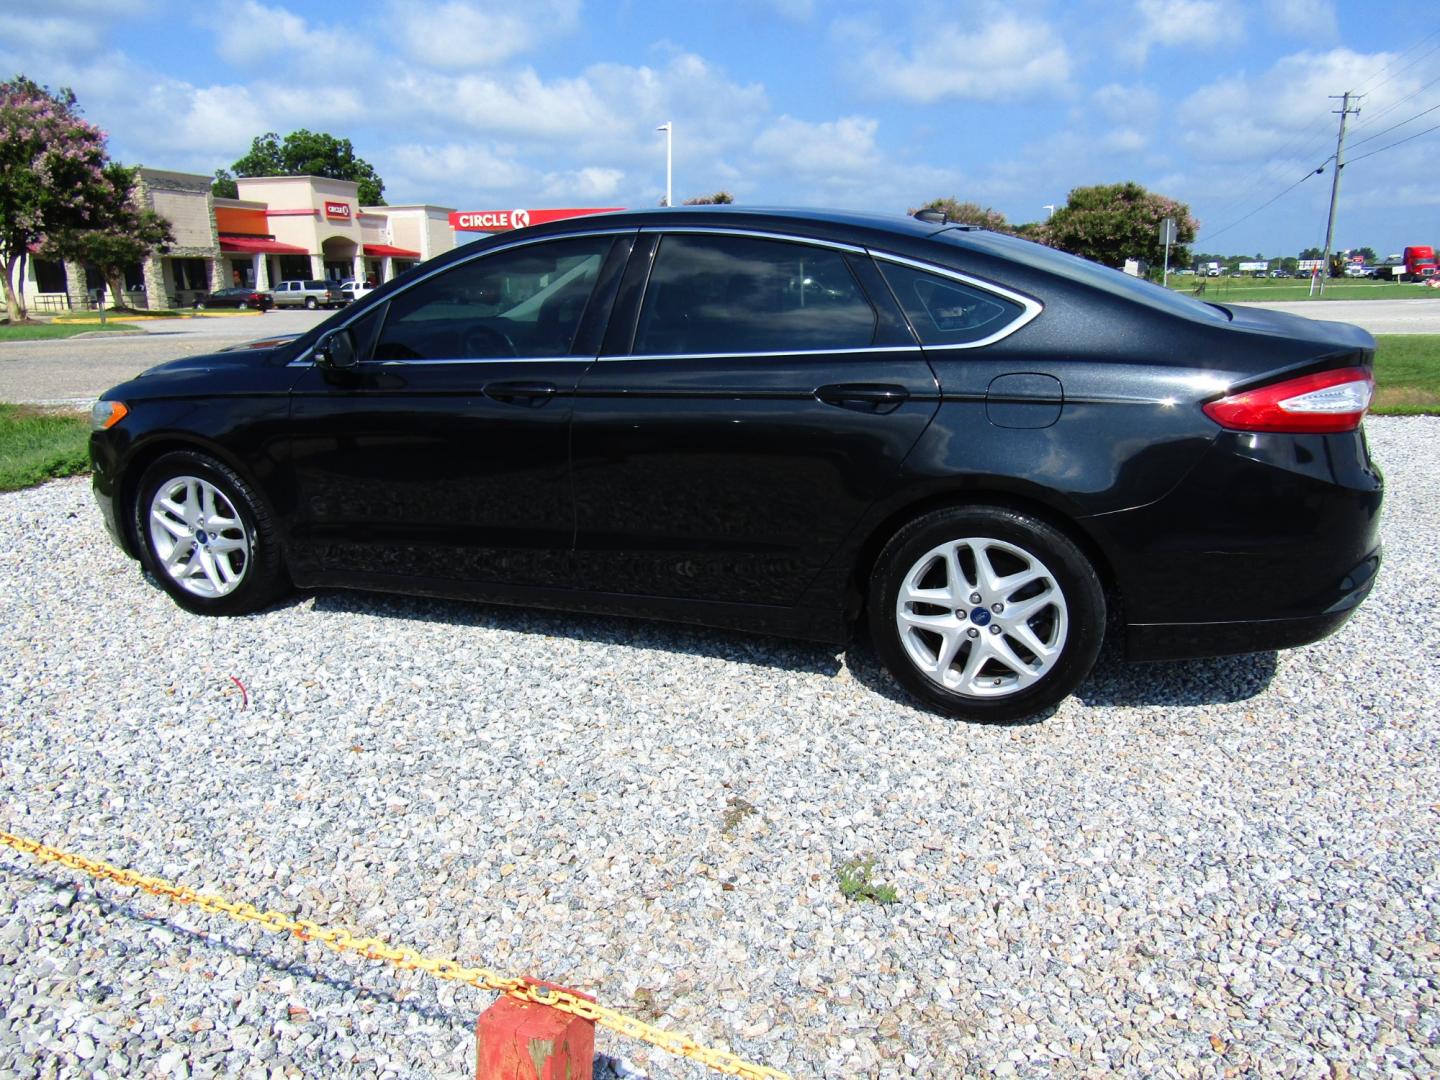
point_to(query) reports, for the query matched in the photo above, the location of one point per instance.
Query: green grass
(38, 444)
(47, 331)
(1223, 289)
(1407, 374)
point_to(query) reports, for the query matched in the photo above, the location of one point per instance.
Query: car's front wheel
(243, 306)
(206, 536)
(986, 613)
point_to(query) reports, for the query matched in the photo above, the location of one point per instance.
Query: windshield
(1074, 268)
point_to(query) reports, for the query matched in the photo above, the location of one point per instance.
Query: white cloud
(1123, 141)
(466, 34)
(1314, 19)
(254, 35)
(583, 186)
(1005, 58)
(1133, 105)
(1183, 23)
(846, 145)
(1285, 112)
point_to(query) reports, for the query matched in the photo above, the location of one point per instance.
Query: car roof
(818, 222)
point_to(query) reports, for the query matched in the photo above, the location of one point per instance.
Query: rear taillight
(1324, 402)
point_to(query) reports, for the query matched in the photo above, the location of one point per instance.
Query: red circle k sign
(503, 220)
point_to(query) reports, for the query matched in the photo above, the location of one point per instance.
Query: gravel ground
(1217, 867)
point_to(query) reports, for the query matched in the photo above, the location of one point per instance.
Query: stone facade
(185, 200)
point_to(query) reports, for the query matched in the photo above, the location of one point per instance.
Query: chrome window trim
(757, 234)
(762, 352)
(303, 360)
(1032, 307)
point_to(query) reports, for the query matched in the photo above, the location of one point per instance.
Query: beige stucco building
(281, 228)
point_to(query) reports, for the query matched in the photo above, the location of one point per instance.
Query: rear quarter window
(944, 311)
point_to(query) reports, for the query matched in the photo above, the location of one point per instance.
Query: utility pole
(1345, 112)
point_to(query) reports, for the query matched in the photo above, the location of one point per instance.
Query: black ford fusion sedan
(982, 450)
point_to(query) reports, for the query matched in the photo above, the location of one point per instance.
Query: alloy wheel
(198, 537)
(982, 617)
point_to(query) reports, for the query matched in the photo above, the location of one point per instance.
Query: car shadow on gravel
(217, 942)
(1213, 681)
(737, 646)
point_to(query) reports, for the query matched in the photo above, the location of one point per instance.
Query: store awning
(393, 252)
(259, 245)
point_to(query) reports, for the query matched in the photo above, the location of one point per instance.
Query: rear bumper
(1185, 641)
(1269, 542)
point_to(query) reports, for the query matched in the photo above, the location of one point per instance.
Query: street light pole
(1051, 208)
(669, 129)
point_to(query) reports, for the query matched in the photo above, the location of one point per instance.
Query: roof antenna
(932, 215)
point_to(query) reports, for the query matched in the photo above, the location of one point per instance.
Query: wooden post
(518, 1040)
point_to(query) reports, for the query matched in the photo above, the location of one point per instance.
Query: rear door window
(739, 294)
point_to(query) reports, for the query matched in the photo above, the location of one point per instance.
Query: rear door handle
(521, 393)
(864, 397)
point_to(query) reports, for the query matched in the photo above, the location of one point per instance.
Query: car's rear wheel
(199, 305)
(310, 303)
(986, 613)
(206, 537)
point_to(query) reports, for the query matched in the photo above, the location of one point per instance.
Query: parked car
(239, 296)
(355, 290)
(309, 294)
(794, 422)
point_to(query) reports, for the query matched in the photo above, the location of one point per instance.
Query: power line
(1262, 206)
(1396, 104)
(1392, 127)
(1391, 146)
(1372, 85)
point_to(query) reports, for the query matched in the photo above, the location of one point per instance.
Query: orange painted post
(518, 1040)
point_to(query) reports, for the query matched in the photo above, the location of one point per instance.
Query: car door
(441, 458)
(755, 395)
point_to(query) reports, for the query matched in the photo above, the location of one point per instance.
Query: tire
(1060, 602)
(199, 305)
(243, 306)
(310, 303)
(243, 571)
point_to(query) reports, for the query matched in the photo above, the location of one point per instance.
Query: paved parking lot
(76, 370)
(1225, 867)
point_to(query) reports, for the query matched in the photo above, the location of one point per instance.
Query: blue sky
(477, 104)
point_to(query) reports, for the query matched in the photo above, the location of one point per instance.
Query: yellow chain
(373, 948)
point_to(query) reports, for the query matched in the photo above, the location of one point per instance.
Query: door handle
(864, 397)
(521, 393)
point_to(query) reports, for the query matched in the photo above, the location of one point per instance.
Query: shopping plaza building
(280, 228)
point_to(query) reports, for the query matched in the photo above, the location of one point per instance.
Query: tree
(720, 198)
(304, 153)
(968, 213)
(223, 186)
(1109, 223)
(1366, 253)
(126, 233)
(1312, 253)
(52, 176)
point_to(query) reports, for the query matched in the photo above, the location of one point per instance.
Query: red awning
(260, 245)
(393, 252)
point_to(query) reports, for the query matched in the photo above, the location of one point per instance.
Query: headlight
(106, 414)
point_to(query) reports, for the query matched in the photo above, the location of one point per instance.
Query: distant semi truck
(1416, 264)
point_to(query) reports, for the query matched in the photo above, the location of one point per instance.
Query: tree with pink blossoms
(1109, 223)
(52, 177)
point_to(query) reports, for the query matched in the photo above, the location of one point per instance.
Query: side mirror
(336, 350)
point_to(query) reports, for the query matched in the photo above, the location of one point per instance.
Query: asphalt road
(74, 371)
(1414, 316)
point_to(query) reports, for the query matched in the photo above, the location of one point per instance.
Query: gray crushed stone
(1220, 867)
